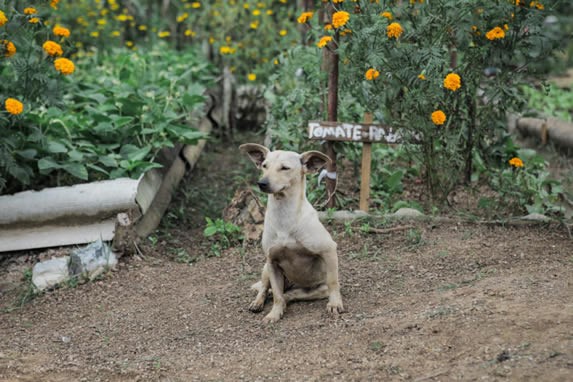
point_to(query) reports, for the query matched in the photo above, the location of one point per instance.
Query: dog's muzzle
(264, 185)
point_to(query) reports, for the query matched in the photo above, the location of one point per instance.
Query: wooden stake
(365, 170)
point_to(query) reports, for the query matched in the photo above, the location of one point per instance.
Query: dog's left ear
(312, 161)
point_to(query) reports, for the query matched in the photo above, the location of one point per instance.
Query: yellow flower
(516, 162)
(34, 20)
(30, 11)
(340, 18)
(421, 76)
(254, 25)
(345, 32)
(394, 30)
(304, 17)
(115, 34)
(164, 34)
(94, 34)
(102, 22)
(9, 48)
(54, 4)
(495, 33)
(3, 18)
(13, 106)
(182, 17)
(269, 12)
(142, 27)
(328, 27)
(52, 48)
(64, 66)
(372, 74)
(227, 50)
(283, 32)
(252, 76)
(388, 15)
(190, 33)
(323, 41)
(536, 4)
(196, 5)
(452, 82)
(256, 12)
(276, 62)
(129, 44)
(438, 117)
(61, 31)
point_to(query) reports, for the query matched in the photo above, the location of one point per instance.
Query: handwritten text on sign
(353, 132)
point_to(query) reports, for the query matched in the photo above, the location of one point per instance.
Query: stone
(92, 260)
(408, 213)
(50, 273)
(536, 217)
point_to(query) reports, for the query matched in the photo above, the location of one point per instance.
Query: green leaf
(27, 154)
(48, 164)
(76, 169)
(56, 147)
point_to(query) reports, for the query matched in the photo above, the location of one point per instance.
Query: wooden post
(331, 57)
(365, 169)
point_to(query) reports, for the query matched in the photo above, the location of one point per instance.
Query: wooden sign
(351, 132)
(367, 133)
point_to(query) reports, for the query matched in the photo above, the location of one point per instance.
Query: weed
(225, 233)
(348, 229)
(414, 237)
(442, 254)
(377, 346)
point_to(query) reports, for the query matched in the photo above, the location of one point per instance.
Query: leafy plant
(226, 234)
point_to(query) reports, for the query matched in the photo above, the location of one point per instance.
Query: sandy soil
(436, 302)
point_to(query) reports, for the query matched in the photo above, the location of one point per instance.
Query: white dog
(301, 258)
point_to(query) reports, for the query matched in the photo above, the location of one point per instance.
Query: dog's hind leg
(303, 294)
(262, 288)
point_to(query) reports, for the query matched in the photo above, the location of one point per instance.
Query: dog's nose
(263, 184)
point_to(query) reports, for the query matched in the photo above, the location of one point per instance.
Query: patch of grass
(442, 254)
(377, 346)
(366, 254)
(449, 286)
(414, 237)
(440, 311)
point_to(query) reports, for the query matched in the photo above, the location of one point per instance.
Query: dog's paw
(271, 318)
(335, 307)
(256, 306)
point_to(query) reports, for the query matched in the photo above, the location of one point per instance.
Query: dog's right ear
(256, 152)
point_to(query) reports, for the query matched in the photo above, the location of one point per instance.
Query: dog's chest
(298, 264)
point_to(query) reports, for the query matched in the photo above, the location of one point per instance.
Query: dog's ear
(256, 152)
(312, 161)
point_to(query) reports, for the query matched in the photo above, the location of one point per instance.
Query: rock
(342, 215)
(51, 272)
(407, 213)
(536, 217)
(93, 260)
(246, 211)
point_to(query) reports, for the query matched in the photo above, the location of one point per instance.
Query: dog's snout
(263, 184)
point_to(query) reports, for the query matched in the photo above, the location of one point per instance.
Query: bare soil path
(434, 303)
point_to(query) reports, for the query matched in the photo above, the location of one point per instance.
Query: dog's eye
(285, 168)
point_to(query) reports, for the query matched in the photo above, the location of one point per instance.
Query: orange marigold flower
(340, 18)
(394, 30)
(61, 31)
(438, 117)
(54, 3)
(421, 76)
(9, 48)
(3, 18)
(495, 34)
(516, 162)
(30, 11)
(52, 48)
(13, 106)
(323, 41)
(64, 66)
(305, 17)
(372, 74)
(452, 82)
(34, 20)
(387, 15)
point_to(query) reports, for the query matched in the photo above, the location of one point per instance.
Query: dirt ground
(434, 302)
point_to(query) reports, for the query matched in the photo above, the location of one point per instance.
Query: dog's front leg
(334, 298)
(277, 285)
